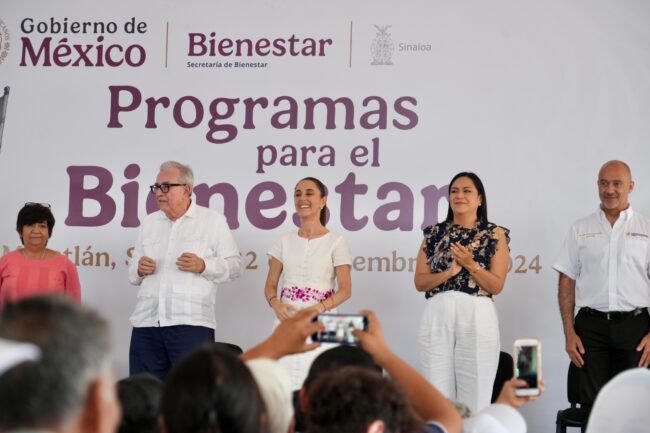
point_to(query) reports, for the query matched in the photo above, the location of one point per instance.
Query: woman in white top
(312, 261)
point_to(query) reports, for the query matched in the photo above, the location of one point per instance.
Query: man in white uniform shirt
(183, 251)
(604, 269)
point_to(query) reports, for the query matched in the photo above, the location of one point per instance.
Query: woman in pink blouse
(36, 269)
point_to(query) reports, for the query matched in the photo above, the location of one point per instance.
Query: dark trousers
(155, 349)
(610, 347)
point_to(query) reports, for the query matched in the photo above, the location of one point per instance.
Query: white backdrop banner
(383, 101)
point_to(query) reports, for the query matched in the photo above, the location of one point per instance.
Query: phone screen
(337, 328)
(527, 367)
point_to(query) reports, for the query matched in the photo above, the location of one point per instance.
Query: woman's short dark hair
(481, 211)
(212, 391)
(33, 213)
(323, 193)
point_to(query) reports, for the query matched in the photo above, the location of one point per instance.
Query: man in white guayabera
(183, 251)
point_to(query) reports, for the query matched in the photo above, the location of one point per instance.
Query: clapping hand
(462, 255)
(455, 268)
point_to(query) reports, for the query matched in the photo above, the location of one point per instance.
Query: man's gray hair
(187, 175)
(75, 350)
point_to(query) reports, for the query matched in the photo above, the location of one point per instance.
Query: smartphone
(337, 328)
(527, 356)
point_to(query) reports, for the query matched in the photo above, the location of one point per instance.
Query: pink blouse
(21, 277)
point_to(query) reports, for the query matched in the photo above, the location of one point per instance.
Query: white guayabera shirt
(170, 296)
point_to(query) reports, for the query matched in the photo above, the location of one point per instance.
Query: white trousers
(459, 347)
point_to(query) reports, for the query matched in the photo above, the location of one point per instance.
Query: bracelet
(476, 269)
(270, 299)
(324, 308)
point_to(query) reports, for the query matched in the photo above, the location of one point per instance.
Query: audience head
(336, 358)
(496, 418)
(621, 405)
(13, 353)
(481, 210)
(229, 347)
(330, 360)
(212, 391)
(358, 400)
(140, 398)
(71, 386)
(34, 213)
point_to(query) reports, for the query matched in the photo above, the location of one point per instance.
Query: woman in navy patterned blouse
(461, 265)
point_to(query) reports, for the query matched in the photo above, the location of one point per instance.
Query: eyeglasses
(31, 203)
(164, 187)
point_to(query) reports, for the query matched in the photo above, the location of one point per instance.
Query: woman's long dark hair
(323, 193)
(212, 391)
(481, 211)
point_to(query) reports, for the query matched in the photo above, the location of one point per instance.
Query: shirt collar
(625, 215)
(190, 213)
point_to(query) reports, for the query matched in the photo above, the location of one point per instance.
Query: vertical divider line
(350, 60)
(166, 42)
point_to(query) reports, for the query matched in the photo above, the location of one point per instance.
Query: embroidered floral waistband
(304, 294)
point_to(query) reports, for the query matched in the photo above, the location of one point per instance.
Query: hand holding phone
(527, 356)
(337, 328)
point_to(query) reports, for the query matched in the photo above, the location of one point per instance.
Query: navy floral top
(482, 239)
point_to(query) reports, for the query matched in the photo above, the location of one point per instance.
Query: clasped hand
(146, 266)
(462, 255)
(283, 311)
(190, 262)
